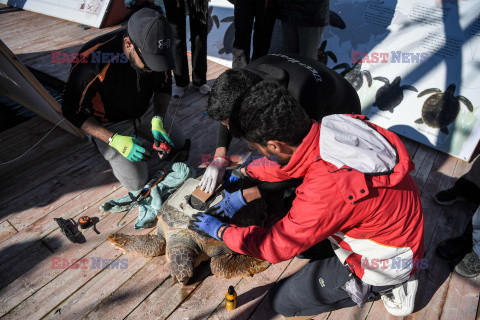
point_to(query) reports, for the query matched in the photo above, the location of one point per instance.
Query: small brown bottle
(231, 298)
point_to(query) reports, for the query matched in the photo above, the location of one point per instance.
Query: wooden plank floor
(65, 177)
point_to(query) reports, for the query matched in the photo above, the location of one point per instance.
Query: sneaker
(447, 197)
(469, 267)
(401, 299)
(178, 92)
(203, 89)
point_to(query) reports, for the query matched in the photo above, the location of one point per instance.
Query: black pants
(316, 288)
(175, 11)
(245, 12)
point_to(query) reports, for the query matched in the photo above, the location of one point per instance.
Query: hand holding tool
(129, 147)
(159, 132)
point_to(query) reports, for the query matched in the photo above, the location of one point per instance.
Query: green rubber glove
(129, 147)
(158, 132)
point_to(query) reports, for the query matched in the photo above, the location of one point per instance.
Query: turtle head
(396, 81)
(182, 263)
(451, 89)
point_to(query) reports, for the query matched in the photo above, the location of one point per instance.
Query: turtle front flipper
(419, 121)
(236, 265)
(409, 87)
(341, 66)
(428, 91)
(383, 79)
(444, 131)
(466, 102)
(144, 245)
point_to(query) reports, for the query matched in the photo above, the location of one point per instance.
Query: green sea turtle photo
(441, 108)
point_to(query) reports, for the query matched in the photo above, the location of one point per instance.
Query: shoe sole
(447, 203)
(412, 286)
(463, 274)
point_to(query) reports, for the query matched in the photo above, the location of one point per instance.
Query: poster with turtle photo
(415, 65)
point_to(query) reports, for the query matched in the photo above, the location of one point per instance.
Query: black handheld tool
(65, 227)
(85, 222)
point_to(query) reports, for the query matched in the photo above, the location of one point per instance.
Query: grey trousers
(134, 175)
(301, 40)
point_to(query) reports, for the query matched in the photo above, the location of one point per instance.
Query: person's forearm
(220, 152)
(224, 137)
(92, 127)
(160, 103)
(251, 194)
(221, 231)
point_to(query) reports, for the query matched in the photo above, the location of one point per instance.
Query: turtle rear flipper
(419, 121)
(144, 245)
(466, 102)
(236, 265)
(444, 130)
(428, 91)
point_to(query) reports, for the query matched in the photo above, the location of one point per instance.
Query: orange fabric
(100, 76)
(98, 108)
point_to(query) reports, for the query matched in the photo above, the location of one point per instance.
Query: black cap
(150, 31)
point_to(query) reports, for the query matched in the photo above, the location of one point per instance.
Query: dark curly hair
(270, 112)
(228, 91)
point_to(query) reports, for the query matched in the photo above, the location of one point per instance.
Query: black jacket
(304, 13)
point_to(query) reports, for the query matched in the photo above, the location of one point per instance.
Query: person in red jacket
(358, 206)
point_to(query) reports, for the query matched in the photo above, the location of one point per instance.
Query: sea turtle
(391, 94)
(228, 37)
(354, 74)
(441, 108)
(322, 55)
(186, 249)
(211, 20)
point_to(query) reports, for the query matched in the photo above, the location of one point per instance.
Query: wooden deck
(66, 177)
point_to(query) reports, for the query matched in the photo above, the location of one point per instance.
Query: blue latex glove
(232, 176)
(230, 204)
(130, 3)
(206, 224)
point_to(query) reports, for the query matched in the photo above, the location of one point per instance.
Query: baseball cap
(151, 32)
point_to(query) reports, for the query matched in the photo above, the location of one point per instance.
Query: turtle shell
(440, 110)
(173, 226)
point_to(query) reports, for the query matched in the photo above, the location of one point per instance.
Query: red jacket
(374, 220)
